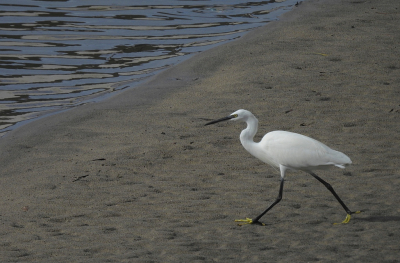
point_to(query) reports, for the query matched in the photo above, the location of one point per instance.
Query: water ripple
(58, 54)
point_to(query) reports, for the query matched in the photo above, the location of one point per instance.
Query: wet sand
(138, 178)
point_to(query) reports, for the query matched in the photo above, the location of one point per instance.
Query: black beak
(219, 120)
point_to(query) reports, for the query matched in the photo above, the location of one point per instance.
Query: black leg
(330, 188)
(278, 199)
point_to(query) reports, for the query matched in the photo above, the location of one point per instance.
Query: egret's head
(239, 115)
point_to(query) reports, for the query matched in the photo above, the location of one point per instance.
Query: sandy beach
(138, 178)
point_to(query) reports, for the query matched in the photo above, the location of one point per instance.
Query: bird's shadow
(380, 218)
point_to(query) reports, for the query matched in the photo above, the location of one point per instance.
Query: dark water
(62, 53)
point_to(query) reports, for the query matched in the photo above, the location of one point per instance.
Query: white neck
(247, 135)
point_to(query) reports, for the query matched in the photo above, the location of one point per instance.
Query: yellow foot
(347, 219)
(248, 221)
(245, 221)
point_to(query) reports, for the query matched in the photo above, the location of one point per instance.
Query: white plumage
(288, 150)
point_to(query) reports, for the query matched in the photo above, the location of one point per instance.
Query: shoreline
(138, 178)
(136, 93)
(117, 81)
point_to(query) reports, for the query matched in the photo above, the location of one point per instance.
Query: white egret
(288, 151)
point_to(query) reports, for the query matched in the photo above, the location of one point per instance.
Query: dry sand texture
(138, 178)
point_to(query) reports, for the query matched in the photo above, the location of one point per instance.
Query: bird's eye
(235, 115)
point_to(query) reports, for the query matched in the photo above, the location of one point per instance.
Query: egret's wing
(300, 152)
